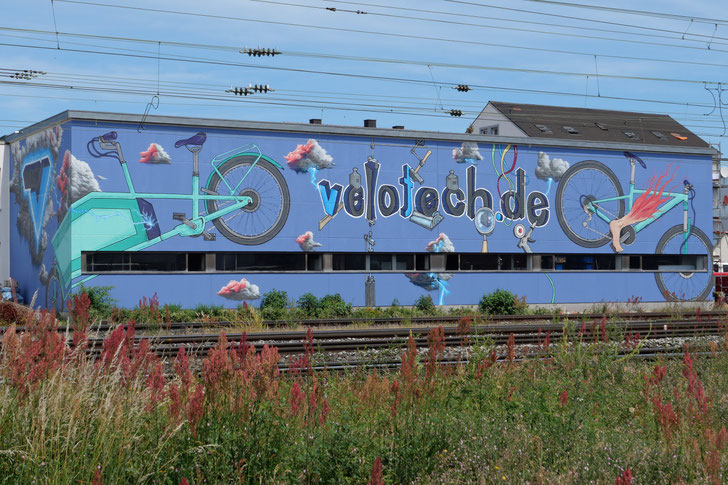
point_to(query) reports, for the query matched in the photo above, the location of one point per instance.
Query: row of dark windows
(272, 262)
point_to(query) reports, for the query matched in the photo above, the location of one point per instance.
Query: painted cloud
(154, 154)
(548, 168)
(240, 290)
(468, 151)
(310, 155)
(441, 245)
(306, 242)
(34, 163)
(75, 179)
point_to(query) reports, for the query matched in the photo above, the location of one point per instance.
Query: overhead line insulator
(26, 74)
(463, 88)
(260, 52)
(456, 112)
(250, 89)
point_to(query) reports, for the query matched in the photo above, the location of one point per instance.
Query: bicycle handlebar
(105, 142)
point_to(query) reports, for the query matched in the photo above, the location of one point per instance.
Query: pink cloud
(240, 290)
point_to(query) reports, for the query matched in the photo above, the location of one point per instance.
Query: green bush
(309, 305)
(425, 305)
(333, 306)
(273, 304)
(101, 302)
(501, 302)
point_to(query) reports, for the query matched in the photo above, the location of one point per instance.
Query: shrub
(273, 304)
(309, 305)
(425, 305)
(334, 306)
(502, 302)
(101, 301)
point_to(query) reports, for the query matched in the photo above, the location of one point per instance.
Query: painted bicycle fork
(676, 198)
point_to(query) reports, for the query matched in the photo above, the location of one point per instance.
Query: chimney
(370, 123)
(398, 127)
(314, 121)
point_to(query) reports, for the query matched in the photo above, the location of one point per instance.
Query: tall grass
(577, 415)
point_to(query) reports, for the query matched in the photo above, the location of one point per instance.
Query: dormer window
(544, 129)
(571, 130)
(602, 126)
(631, 135)
(659, 135)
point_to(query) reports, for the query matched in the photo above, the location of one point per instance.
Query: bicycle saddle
(197, 139)
(634, 157)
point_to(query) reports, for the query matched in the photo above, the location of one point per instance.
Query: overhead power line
(633, 27)
(380, 60)
(677, 35)
(646, 13)
(143, 87)
(192, 45)
(360, 31)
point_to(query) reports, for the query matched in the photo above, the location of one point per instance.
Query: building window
(280, 262)
(349, 261)
(489, 130)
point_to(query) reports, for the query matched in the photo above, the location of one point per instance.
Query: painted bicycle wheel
(582, 185)
(685, 285)
(53, 289)
(265, 215)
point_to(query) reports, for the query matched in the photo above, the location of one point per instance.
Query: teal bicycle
(590, 197)
(245, 197)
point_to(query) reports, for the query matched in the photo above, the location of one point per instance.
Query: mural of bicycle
(245, 197)
(590, 207)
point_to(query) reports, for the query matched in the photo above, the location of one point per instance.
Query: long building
(220, 211)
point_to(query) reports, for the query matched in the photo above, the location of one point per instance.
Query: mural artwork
(481, 199)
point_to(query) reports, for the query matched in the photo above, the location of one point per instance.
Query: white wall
(4, 212)
(491, 117)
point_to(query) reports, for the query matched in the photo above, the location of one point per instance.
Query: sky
(344, 61)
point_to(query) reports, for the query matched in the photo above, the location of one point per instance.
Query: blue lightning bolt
(312, 171)
(551, 181)
(443, 290)
(148, 220)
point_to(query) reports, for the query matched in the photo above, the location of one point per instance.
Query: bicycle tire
(686, 286)
(266, 185)
(54, 291)
(567, 204)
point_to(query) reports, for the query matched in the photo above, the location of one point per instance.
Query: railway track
(429, 321)
(378, 339)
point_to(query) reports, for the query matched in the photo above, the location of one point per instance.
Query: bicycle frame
(103, 203)
(675, 199)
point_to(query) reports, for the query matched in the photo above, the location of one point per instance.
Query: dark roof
(201, 124)
(598, 125)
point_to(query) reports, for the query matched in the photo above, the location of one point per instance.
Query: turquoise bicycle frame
(675, 199)
(113, 221)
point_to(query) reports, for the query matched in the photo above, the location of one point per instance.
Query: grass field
(578, 415)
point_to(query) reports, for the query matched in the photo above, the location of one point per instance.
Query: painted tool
(413, 171)
(484, 224)
(524, 237)
(322, 223)
(428, 222)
